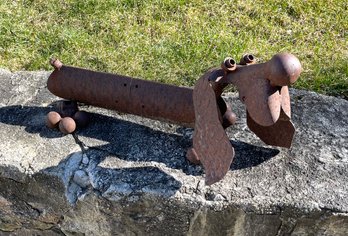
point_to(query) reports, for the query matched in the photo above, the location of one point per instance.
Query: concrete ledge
(126, 175)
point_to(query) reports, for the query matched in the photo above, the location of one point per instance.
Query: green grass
(175, 41)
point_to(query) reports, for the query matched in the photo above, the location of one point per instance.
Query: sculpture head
(263, 88)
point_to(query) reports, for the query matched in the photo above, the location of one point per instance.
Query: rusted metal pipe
(124, 94)
(229, 64)
(247, 59)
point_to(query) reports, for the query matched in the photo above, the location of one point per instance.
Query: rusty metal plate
(284, 93)
(210, 142)
(279, 134)
(262, 100)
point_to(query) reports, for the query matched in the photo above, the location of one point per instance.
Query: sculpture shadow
(248, 155)
(123, 139)
(131, 141)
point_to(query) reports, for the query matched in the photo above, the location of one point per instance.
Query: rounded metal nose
(284, 69)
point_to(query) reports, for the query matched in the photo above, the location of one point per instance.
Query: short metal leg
(192, 157)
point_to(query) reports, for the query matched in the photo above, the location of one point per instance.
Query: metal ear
(211, 145)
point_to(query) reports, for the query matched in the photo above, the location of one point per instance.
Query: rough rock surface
(126, 175)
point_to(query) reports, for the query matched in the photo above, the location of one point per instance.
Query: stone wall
(126, 175)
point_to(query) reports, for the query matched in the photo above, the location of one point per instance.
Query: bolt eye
(250, 57)
(229, 64)
(247, 59)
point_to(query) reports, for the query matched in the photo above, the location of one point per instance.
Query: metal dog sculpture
(263, 88)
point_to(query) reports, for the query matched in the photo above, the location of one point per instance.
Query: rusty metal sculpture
(262, 88)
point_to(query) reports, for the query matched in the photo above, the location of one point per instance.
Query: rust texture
(229, 64)
(262, 88)
(280, 134)
(124, 94)
(211, 145)
(259, 86)
(247, 59)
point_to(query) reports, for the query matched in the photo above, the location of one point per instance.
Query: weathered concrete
(126, 175)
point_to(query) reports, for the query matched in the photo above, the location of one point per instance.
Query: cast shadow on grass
(133, 142)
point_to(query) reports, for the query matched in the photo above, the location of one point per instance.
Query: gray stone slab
(127, 175)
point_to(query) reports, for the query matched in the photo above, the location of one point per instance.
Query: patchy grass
(175, 41)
